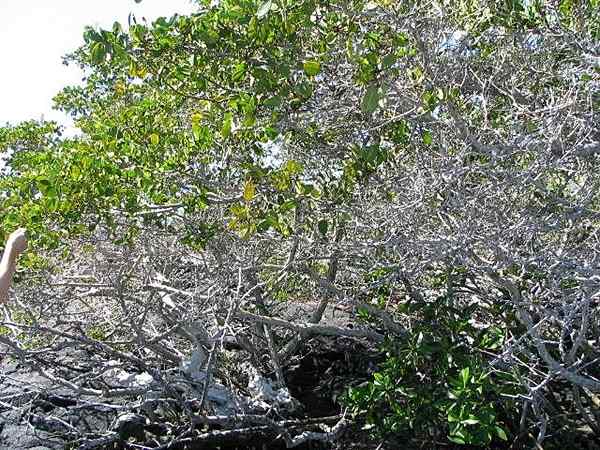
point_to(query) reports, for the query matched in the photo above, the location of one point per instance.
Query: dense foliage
(430, 166)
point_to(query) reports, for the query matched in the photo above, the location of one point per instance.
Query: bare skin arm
(15, 245)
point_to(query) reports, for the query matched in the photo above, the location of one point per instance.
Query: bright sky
(35, 34)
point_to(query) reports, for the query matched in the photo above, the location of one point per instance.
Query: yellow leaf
(141, 72)
(154, 139)
(197, 117)
(249, 190)
(120, 88)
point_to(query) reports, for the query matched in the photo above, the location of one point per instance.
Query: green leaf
(43, 185)
(196, 126)
(456, 439)
(91, 35)
(312, 68)
(465, 374)
(292, 167)
(501, 433)
(239, 72)
(249, 190)
(264, 9)
(273, 102)
(470, 422)
(196, 131)
(98, 53)
(304, 89)
(389, 60)
(323, 226)
(227, 125)
(371, 100)
(427, 138)
(287, 206)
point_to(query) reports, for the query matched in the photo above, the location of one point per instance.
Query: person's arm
(15, 245)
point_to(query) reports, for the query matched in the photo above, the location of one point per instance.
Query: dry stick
(212, 355)
(593, 399)
(273, 352)
(593, 424)
(258, 296)
(92, 342)
(271, 429)
(49, 422)
(582, 332)
(175, 322)
(20, 352)
(591, 419)
(255, 419)
(283, 273)
(525, 317)
(207, 378)
(373, 310)
(72, 386)
(66, 383)
(140, 334)
(331, 274)
(329, 436)
(291, 347)
(135, 325)
(102, 442)
(199, 442)
(308, 330)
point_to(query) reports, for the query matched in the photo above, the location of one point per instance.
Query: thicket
(428, 167)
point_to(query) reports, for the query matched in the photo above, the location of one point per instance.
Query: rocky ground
(19, 428)
(34, 414)
(39, 413)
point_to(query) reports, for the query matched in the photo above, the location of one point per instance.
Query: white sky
(35, 34)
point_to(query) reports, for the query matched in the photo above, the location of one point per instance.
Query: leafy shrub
(437, 381)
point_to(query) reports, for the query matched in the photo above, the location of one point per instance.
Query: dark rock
(16, 434)
(130, 425)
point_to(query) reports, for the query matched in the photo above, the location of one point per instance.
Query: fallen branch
(308, 330)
